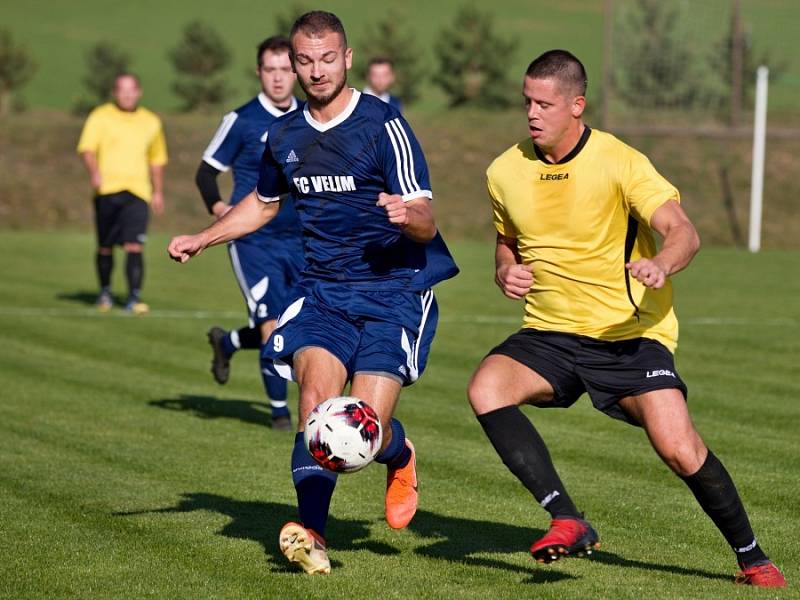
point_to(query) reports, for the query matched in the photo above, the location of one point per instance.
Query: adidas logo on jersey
(292, 157)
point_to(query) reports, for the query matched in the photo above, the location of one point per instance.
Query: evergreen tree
(199, 60)
(16, 69)
(104, 62)
(473, 60)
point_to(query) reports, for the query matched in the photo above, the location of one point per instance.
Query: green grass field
(125, 472)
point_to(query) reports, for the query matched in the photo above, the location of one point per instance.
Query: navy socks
(314, 486)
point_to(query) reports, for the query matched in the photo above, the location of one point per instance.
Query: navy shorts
(266, 270)
(608, 371)
(379, 332)
(120, 218)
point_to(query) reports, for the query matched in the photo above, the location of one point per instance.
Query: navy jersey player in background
(268, 261)
(380, 79)
(364, 311)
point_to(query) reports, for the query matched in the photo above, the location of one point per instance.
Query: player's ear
(348, 58)
(578, 106)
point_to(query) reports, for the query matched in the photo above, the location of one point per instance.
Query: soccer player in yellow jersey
(575, 210)
(122, 146)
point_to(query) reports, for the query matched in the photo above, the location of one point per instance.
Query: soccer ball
(343, 434)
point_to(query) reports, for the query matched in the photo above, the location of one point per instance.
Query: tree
(104, 62)
(390, 38)
(473, 60)
(199, 60)
(285, 20)
(658, 64)
(722, 60)
(16, 69)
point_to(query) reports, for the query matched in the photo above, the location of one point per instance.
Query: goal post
(759, 147)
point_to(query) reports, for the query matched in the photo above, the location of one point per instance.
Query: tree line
(471, 59)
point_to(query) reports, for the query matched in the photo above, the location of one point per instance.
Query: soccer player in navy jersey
(363, 311)
(265, 272)
(380, 79)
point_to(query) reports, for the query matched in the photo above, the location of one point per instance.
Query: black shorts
(120, 218)
(608, 371)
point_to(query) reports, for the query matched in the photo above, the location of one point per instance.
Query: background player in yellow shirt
(575, 209)
(123, 148)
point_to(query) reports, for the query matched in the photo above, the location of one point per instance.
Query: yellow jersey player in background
(123, 148)
(575, 210)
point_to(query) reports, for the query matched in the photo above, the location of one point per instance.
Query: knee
(685, 458)
(484, 392)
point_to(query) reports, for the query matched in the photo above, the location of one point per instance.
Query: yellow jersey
(126, 145)
(577, 223)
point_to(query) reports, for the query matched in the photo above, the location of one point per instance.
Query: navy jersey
(386, 97)
(334, 172)
(239, 144)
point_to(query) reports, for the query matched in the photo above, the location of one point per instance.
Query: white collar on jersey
(384, 96)
(351, 106)
(274, 110)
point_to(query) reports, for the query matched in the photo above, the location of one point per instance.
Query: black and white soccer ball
(343, 434)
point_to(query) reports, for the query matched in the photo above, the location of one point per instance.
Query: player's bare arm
(511, 276)
(90, 161)
(681, 243)
(157, 178)
(247, 216)
(414, 217)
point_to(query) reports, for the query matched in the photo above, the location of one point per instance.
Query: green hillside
(59, 33)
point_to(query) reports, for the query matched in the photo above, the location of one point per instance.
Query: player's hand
(96, 180)
(514, 279)
(158, 203)
(648, 272)
(184, 247)
(220, 209)
(395, 208)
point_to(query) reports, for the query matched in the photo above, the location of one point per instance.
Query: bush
(659, 65)
(285, 20)
(104, 62)
(473, 60)
(16, 69)
(199, 60)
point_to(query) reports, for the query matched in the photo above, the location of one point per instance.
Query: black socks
(134, 270)
(717, 495)
(523, 451)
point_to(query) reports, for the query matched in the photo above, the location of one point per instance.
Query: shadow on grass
(460, 539)
(261, 522)
(210, 407)
(86, 297)
(453, 539)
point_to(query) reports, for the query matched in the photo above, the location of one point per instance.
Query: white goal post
(759, 144)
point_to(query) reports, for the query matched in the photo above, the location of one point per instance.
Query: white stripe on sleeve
(411, 174)
(402, 169)
(398, 162)
(219, 137)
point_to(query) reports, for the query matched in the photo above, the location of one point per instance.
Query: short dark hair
(380, 60)
(318, 22)
(277, 44)
(560, 65)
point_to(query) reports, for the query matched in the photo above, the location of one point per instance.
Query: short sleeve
(404, 166)
(502, 222)
(226, 143)
(271, 180)
(644, 188)
(90, 135)
(157, 152)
